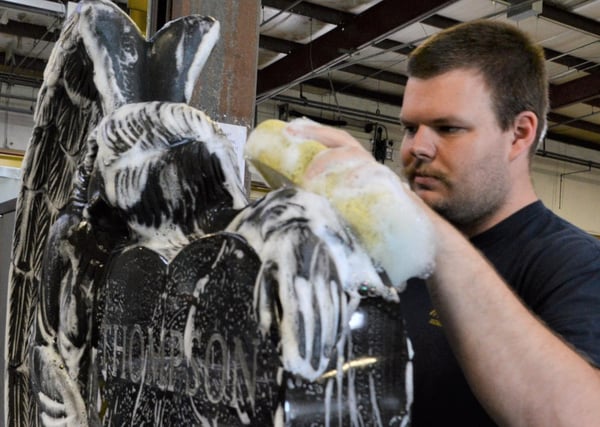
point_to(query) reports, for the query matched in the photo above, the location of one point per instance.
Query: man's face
(455, 155)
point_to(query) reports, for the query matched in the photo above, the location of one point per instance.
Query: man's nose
(423, 145)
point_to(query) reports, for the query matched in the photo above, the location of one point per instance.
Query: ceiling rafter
(349, 89)
(394, 46)
(311, 10)
(562, 120)
(572, 140)
(32, 31)
(558, 119)
(374, 73)
(571, 61)
(570, 19)
(27, 80)
(278, 45)
(23, 64)
(583, 89)
(594, 102)
(336, 44)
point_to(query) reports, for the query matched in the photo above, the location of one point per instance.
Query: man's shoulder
(560, 234)
(538, 252)
(547, 229)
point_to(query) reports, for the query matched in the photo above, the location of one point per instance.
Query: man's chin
(431, 198)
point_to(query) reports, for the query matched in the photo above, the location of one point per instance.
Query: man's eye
(410, 130)
(449, 129)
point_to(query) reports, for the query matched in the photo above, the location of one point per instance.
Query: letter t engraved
(119, 336)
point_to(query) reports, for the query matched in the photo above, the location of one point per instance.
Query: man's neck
(506, 210)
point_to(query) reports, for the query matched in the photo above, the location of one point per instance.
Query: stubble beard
(468, 205)
(468, 208)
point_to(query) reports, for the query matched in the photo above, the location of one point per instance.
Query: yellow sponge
(271, 149)
(371, 198)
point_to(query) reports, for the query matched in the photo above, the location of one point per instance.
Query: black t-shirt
(552, 266)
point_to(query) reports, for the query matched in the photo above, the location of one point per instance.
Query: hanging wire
(28, 55)
(574, 119)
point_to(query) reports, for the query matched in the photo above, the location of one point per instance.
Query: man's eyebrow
(439, 121)
(445, 120)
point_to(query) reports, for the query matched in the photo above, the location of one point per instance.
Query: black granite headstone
(372, 388)
(179, 345)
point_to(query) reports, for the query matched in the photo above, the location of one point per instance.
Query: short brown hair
(511, 64)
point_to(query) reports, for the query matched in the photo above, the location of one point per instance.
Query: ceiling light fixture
(523, 9)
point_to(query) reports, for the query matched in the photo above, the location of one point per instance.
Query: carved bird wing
(313, 275)
(100, 62)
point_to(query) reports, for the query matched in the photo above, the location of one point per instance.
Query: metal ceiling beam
(573, 20)
(594, 102)
(585, 89)
(23, 64)
(571, 61)
(31, 31)
(23, 80)
(352, 90)
(381, 19)
(347, 112)
(375, 73)
(569, 159)
(440, 21)
(562, 120)
(571, 140)
(41, 7)
(582, 89)
(394, 46)
(275, 44)
(311, 10)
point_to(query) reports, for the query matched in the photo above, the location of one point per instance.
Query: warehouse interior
(341, 63)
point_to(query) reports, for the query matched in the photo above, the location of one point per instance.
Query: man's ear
(524, 132)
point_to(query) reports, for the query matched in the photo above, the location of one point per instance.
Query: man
(517, 343)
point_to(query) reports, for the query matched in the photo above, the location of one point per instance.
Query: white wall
(10, 183)
(16, 115)
(15, 130)
(577, 198)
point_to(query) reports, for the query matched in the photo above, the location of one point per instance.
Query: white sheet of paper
(237, 135)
